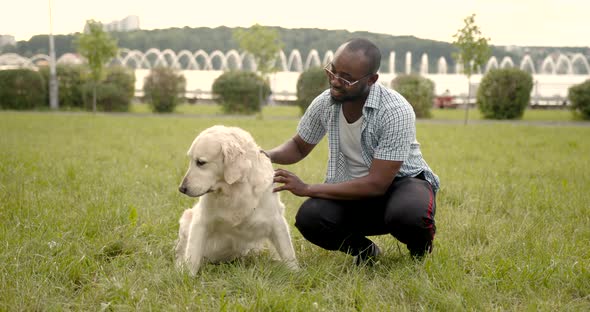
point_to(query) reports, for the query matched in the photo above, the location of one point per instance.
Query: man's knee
(413, 202)
(308, 215)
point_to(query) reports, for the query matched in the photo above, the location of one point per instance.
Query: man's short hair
(369, 49)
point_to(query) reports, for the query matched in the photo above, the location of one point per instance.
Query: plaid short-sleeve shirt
(388, 132)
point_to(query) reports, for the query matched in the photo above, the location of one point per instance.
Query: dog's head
(219, 156)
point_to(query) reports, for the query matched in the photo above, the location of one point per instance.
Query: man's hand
(291, 183)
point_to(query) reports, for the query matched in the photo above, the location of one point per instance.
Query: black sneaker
(418, 252)
(368, 257)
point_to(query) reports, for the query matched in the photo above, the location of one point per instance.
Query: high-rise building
(7, 40)
(129, 23)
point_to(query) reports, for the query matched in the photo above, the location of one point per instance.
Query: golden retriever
(237, 210)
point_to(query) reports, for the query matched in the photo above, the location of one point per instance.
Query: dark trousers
(406, 211)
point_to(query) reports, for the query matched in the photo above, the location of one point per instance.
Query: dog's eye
(200, 162)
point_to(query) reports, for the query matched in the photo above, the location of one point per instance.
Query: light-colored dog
(237, 210)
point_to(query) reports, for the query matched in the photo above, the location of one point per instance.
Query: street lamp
(53, 98)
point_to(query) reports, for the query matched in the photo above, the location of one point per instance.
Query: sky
(504, 22)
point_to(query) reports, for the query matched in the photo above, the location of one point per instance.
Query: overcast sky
(505, 22)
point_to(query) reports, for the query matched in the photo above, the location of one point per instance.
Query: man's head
(353, 70)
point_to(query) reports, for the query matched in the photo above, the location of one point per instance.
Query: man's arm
(290, 152)
(376, 183)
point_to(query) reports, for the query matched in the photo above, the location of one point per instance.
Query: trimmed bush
(22, 89)
(310, 84)
(579, 96)
(240, 92)
(124, 79)
(163, 89)
(504, 93)
(419, 91)
(115, 93)
(70, 79)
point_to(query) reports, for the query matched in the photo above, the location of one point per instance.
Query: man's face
(349, 76)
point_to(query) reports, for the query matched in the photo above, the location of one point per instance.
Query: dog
(237, 211)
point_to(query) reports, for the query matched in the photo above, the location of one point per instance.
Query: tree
(264, 45)
(97, 47)
(473, 52)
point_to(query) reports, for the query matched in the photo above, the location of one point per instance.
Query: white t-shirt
(350, 146)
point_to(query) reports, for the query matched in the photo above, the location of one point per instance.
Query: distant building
(129, 23)
(7, 40)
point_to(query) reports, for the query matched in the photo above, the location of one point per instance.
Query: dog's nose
(182, 189)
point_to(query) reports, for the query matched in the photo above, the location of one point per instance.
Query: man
(377, 181)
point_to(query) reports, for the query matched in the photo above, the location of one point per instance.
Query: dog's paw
(193, 266)
(292, 265)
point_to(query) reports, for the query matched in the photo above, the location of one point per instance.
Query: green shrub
(310, 84)
(115, 93)
(22, 89)
(419, 91)
(163, 89)
(504, 93)
(122, 77)
(240, 92)
(579, 96)
(71, 79)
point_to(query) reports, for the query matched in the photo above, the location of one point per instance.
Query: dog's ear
(235, 161)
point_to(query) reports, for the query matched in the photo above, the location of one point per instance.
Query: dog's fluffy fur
(237, 210)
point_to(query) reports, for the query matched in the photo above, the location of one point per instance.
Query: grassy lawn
(89, 208)
(283, 111)
(292, 111)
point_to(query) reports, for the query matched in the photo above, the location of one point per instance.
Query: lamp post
(53, 98)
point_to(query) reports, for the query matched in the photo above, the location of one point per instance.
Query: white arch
(548, 62)
(424, 64)
(156, 53)
(206, 60)
(283, 61)
(527, 60)
(313, 59)
(392, 62)
(506, 62)
(563, 60)
(235, 55)
(581, 58)
(247, 57)
(442, 66)
(491, 64)
(408, 63)
(191, 63)
(221, 57)
(170, 57)
(295, 57)
(137, 60)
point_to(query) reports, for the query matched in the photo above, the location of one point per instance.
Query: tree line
(302, 39)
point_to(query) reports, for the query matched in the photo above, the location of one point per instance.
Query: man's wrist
(265, 153)
(308, 190)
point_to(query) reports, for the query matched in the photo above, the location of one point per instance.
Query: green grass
(292, 111)
(529, 114)
(281, 111)
(89, 208)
